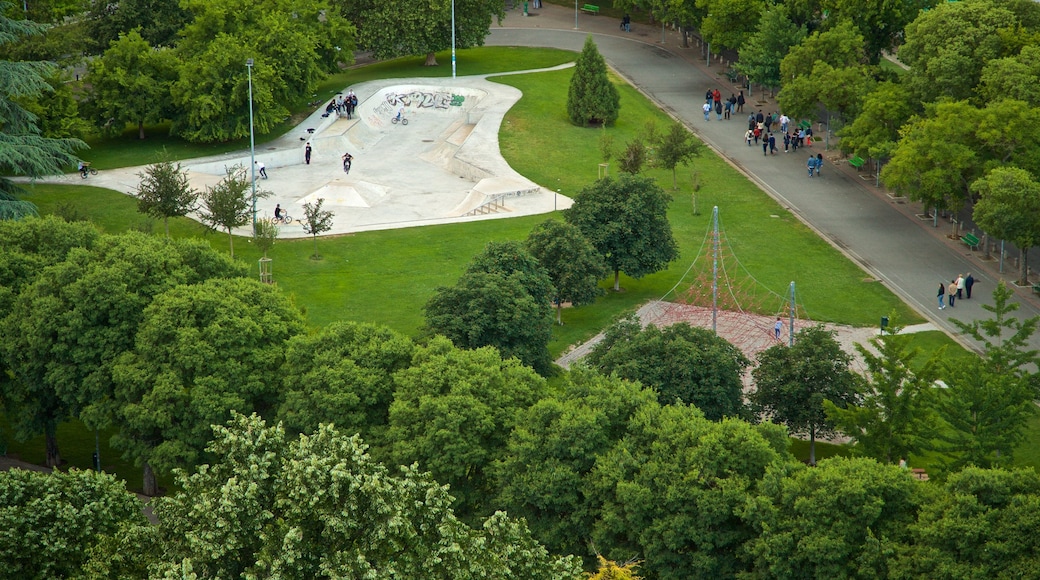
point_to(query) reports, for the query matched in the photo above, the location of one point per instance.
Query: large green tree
(761, 54)
(131, 83)
(673, 489)
(681, 363)
(157, 21)
(874, 133)
(342, 375)
(202, 351)
(727, 24)
(50, 521)
(270, 505)
(592, 98)
(1015, 77)
(828, 68)
(544, 474)
(626, 220)
(1009, 208)
(393, 29)
(791, 383)
(572, 264)
(843, 519)
(896, 414)
(23, 150)
(452, 413)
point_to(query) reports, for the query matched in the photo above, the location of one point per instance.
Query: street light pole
(452, 38)
(252, 143)
(575, 14)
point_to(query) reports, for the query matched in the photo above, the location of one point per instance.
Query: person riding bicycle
(347, 158)
(278, 213)
(83, 167)
(399, 113)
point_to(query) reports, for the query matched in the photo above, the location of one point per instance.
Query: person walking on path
(740, 102)
(778, 328)
(718, 109)
(707, 110)
(749, 136)
(811, 165)
(765, 144)
(819, 166)
(784, 121)
(940, 296)
(307, 153)
(772, 144)
(261, 168)
(960, 286)
(951, 292)
(969, 281)
(787, 142)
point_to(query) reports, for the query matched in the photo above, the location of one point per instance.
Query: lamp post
(452, 38)
(252, 143)
(575, 14)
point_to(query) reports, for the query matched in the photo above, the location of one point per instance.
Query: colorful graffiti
(425, 100)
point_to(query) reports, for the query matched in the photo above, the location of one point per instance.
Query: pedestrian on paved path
(942, 292)
(749, 135)
(778, 328)
(740, 102)
(261, 168)
(772, 144)
(307, 153)
(784, 121)
(787, 142)
(765, 145)
(707, 110)
(969, 281)
(819, 163)
(951, 292)
(960, 285)
(718, 109)
(811, 165)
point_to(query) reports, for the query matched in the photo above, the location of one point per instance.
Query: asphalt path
(867, 227)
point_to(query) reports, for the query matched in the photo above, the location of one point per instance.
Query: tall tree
(316, 221)
(50, 521)
(874, 133)
(164, 192)
(202, 351)
(681, 363)
(230, 203)
(131, 84)
(626, 220)
(1009, 208)
(157, 21)
(791, 383)
(673, 489)
(829, 69)
(23, 151)
(676, 147)
(896, 416)
(761, 54)
(544, 474)
(592, 98)
(843, 519)
(317, 506)
(452, 412)
(880, 23)
(728, 24)
(393, 29)
(1015, 77)
(572, 264)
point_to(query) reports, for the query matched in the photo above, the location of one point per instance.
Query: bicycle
(284, 220)
(400, 118)
(86, 169)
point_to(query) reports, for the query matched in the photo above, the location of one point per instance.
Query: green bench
(971, 241)
(804, 124)
(590, 9)
(857, 161)
(1036, 288)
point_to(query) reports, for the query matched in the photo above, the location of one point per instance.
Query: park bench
(590, 9)
(971, 240)
(1036, 288)
(857, 161)
(804, 124)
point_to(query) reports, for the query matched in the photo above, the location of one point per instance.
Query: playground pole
(790, 325)
(715, 269)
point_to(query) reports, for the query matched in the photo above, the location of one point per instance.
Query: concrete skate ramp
(357, 194)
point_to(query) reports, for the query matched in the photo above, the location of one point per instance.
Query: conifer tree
(592, 99)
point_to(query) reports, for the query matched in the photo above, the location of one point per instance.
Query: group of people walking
(959, 287)
(713, 101)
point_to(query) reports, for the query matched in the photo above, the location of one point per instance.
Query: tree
(157, 21)
(880, 23)
(390, 29)
(610, 570)
(875, 132)
(828, 68)
(131, 84)
(974, 527)
(316, 221)
(317, 506)
(572, 264)
(592, 98)
(265, 234)
(895, 417)
(728, 24)
(543, 476)
(32, 244)
(673, 488)
(502, 300)
(202, 351)
(1015, 77)
(229, 204)
(843, 519)
(940, 68)
(23, 151)
(452, 412)
(761, 53)
(165, 192)
(49, 521)
(626, 220)
(791, 383)
(633, 157)
(342, 375)
(681, 363)
(1009, 208)
(65, 330)
(989, 400)
(677, 147)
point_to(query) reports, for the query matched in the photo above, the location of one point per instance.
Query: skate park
(443, 166)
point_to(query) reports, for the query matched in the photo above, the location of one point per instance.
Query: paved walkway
(879, 233)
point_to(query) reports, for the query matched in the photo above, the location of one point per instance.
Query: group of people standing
(959, 287)
(723, 108)
(343, 104)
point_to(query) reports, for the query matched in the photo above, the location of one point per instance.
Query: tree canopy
(572, 264)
